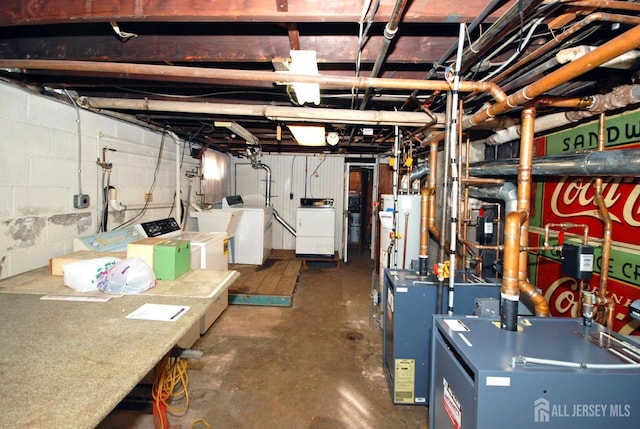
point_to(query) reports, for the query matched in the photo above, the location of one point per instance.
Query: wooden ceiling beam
(33, 12)
(225, 49)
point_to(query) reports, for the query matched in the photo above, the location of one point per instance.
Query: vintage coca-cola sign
(562, 294)
(570, 199)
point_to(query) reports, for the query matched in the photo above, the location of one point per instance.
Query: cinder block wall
(40, 174)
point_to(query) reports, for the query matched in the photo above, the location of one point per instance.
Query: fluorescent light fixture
(305, 62)
(308, 135)
(238, 130)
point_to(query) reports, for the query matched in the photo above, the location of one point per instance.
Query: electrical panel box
(409, 303)
(484, 230)
(171, 259)
(577, 261)
(544, 375)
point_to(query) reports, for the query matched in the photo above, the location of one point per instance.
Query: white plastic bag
(87, 275)
(129, 277)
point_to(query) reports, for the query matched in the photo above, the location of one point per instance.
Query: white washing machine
(209, 250)
(254, 236)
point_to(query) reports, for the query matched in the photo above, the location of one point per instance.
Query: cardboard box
(171, 259)
(55, 264)
(144, 249)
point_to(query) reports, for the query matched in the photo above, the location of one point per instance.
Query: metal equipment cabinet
(475, 385)
(409, 303)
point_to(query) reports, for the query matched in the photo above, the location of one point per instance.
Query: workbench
(69, 363)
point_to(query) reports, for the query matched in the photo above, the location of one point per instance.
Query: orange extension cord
(171, 383)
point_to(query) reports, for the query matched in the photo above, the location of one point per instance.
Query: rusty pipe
(389, 33)
(137, 71)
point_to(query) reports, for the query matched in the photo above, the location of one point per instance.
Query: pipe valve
(588, 308)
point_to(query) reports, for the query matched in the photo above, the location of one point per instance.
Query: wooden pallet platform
(270, 284)
(291, 255)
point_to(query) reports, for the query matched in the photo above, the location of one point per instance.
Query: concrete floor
(316, 365)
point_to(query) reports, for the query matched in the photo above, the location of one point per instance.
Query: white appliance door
(316, 222)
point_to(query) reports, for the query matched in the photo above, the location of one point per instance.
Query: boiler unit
(315, 227)
(550, 373)
(409, 302)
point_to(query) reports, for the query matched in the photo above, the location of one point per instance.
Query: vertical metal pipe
(605, 316)
(453, 158)
(423, 257)
(390, 31)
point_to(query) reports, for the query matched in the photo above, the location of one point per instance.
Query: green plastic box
(171, 259)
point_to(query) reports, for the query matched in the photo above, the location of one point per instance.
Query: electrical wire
(171, 383)
(315, 170)
(521, 45)
(363, 33)
(151, 187)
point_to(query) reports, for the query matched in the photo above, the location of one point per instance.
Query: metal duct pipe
(389, 33)
(284, 223)
(274, 113)
(419, 173)
(189, 74)
(507, 192)
(608, 163)
(267, 190)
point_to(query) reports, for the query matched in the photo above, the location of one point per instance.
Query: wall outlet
(81, 201)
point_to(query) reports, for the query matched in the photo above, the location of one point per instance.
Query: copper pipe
(510, 276)
(564, 226)
(481, 181)
(424, 223)
(137, 71)
(483, 246)
(605, 4)
(431, 196)
(530, 248)
(404, 246)
(524, 203)
(606, 52)
(516, 236)
(598, 199)
(558, 39)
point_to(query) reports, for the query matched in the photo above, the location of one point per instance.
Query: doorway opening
(359, 192)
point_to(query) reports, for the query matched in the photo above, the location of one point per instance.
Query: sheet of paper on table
(161, 312)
